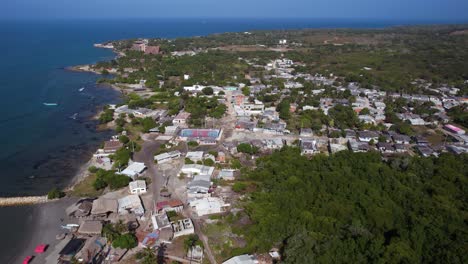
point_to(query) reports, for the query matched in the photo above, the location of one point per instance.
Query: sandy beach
(43, 224)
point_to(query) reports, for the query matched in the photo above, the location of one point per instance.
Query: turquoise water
(41, 146)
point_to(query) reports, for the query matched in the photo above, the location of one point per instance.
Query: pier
(26, 200)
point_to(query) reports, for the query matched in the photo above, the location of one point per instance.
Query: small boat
(81, 89)
(69, 226)
(27, 259)
(50, 104)
(41, 248)
(74, 116)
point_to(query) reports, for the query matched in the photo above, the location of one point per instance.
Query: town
(169, 186)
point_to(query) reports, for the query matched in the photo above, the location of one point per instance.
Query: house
(199, 186)
(367, 136)
(221, 158)
(182, 227)
(306, 132)
(197, 169)
(167, 157)
(208, 205)
(181, 119)
(194, 155)
(134, 170)
(102, 207)
(90, 228)
(227, 174)
(274, 143)
(131, 204)
(112, 146)
(400, 148)
(308, 147)
(420, 140)
(401, 139)
(171, 130)
(242, 259)
(194, 88)
(152, 50)
(454, 129)
(356, 146)
(174, 205)
(385, 147)
(137, 187)
(425, 150)
(73, 246)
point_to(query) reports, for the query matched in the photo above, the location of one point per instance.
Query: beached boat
(27, 259)
(50, 104)
(41, 248)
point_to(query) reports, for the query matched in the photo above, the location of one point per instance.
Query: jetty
(25, 200)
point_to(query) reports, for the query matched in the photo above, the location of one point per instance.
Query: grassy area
(85, 188)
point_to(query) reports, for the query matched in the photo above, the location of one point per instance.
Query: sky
(363, 9)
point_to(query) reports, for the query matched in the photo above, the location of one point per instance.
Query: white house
(194, 88)
(181, 118)
(134, 169)
(183, 227)
(137, 187)
(197, 169)
(168, 156)
(209, 205)
(195, 155)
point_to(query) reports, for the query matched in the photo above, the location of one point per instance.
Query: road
(146, 155)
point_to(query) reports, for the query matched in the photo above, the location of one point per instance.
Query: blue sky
(384, 9)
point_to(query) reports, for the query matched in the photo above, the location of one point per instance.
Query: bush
(192, 144)
(239, 187)
(55, 193)
(93, 169)
(126, 241)
(247, 148)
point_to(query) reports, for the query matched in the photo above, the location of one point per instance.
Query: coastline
(43, 223)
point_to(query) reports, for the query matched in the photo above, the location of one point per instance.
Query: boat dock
(26, 200)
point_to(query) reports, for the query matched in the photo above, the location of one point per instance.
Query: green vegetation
(55, 193)
(106, 116)
(110, 178)
(459, 115)
(247, 148)
(343, 117)
(125, 241)
(354, 208)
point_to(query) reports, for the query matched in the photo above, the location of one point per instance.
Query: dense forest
(356, 208)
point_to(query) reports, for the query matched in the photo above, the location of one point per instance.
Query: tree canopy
(355, 208)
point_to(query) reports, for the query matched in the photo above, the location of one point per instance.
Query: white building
(168, 156)
(194, 155)
(130, 204)
(134, 170)
(137, 187)
(181, 119)
(209, 205)
(194, 88)
(183, 227)
(242, 259)
(197, 169)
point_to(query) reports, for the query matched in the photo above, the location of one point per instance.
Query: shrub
(55, 193)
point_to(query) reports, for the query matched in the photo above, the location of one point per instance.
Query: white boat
(81, 89)
(50, 104)
(74, 116)
(69, 226)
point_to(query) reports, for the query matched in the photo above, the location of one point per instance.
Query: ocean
(42, 147)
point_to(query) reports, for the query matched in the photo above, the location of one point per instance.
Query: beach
(43, 223)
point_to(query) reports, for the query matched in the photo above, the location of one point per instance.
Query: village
(182, 178)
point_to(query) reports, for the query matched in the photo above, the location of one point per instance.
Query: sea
(42, 146)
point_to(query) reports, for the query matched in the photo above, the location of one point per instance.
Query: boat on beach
(50, 104)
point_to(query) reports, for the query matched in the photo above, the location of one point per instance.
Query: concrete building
(134, 170)
(207, 206)
(137, 187)
(167, 157)
(183, 227)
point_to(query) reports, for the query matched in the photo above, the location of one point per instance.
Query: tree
(125, 241)
(246, 91)
(124, 139)
(55, 193)
(207, 91)
(247, 148)
(364, 111)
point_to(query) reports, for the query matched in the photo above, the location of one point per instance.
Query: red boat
(40, 248)
(27, 259)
